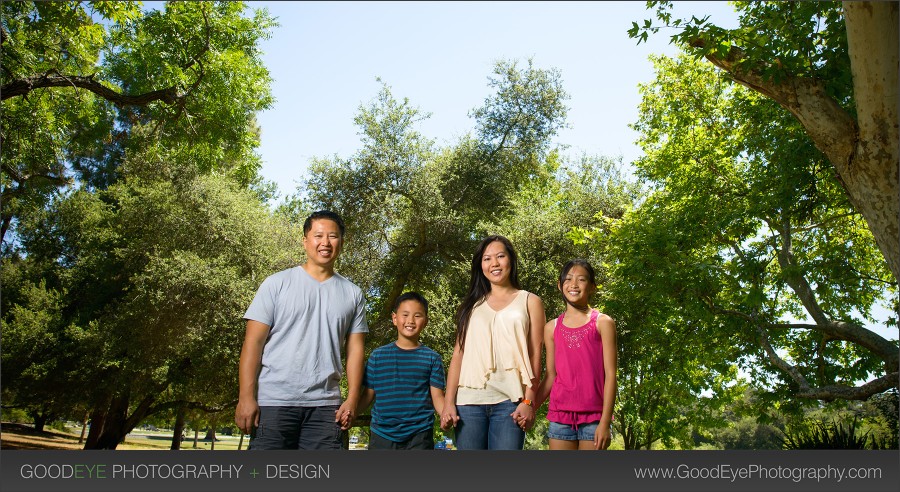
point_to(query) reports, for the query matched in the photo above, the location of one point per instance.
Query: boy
(406, 381)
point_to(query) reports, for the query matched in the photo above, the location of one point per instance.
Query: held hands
(523, 416)
(449, 418)
(346, 414)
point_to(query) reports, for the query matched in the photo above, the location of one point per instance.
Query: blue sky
(325, 58)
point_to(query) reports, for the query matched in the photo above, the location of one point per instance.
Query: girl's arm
(449, 418)
(607, 328)
(543, 393)
(524, 414)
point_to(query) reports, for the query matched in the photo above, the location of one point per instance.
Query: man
(290, 367)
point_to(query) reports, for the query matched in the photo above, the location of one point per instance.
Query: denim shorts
(566, 432)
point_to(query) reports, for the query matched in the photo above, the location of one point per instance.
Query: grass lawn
(23, 436)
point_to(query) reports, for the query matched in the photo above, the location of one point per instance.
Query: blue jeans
(488, 427)
(297, 428)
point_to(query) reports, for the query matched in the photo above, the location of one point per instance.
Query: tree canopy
(85, 83)
(833, 66)
(742, 255)
(753, 221)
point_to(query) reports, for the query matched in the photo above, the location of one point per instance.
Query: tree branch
(850, 332)
(193, 405)
(830, 392)
(21, 87)
(831, 128)
(844, 392)
(863, 147)
(881, 347)
(779, 362)
(792, 275)
(826, 221)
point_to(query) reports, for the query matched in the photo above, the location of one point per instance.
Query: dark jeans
(421, 441)
(297, 428)
(488, 427)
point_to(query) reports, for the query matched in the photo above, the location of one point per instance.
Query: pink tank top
(577, 393)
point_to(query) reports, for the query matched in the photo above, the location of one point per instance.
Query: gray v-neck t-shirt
(309, 322)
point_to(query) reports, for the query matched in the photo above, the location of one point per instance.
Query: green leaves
(774, 39)
(747, 231)
(432, 202)
(87, 85)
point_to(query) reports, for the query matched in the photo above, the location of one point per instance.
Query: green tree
(155, 276)
(131, 184)
(35, 368)
(833, 66)
(413, 210)
(85, 84)
(749, 228)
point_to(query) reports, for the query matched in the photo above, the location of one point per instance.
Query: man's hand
(246, 415)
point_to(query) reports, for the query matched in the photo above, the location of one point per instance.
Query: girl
(492, 380)
(581, 366)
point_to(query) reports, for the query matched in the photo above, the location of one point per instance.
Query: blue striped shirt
(402, 381)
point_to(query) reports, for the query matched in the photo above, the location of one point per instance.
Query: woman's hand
(523, 416)
(449, 417)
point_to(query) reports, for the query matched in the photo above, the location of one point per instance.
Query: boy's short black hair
(323, 214)
(410, 296)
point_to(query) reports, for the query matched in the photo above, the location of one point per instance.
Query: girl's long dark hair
(479, 286)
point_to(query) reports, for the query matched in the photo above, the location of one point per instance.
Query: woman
(492, 381)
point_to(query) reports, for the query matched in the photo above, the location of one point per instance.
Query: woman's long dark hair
(479, 286)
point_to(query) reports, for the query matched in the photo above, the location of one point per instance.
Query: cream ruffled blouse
(495, 362)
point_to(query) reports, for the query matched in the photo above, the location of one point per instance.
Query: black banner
(375, 471)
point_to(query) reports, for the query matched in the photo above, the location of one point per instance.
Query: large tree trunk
(39, 417)
(178, 431)
(113, 431)
(865, 149)
(115, 422)
(873, 172)
(84, 424)
(98, 418)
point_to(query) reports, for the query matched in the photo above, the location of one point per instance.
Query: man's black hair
(323, 214)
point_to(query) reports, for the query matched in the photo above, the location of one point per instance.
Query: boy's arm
(246, 415)
(355, 366)
(365, 399)
(437, 400)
